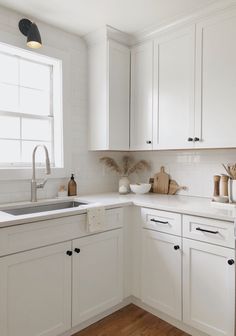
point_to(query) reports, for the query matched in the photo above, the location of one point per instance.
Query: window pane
(8, 69)
(34, 75)
(10, 151)
(34, 101)
(8, 98)
(27, 150)
(9, 127)
(36, 129)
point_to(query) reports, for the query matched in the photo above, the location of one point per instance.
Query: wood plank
(131, 321)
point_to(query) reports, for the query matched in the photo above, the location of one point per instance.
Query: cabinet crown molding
(108, 33)
(182, 20)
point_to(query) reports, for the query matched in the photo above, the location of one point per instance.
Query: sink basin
(42, 208)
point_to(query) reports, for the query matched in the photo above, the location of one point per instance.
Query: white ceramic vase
(233, 190)
(124, 185)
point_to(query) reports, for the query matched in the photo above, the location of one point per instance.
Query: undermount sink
(42, 208)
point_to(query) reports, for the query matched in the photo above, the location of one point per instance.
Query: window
(30, 107)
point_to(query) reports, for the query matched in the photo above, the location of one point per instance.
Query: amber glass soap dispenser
(72, 187)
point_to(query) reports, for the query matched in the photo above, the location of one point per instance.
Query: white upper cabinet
(118, 98)
(174, 88)
(182, 88)
(109, 81)
(141, 135)
(216, 81)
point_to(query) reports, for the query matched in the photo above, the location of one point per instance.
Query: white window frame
(55, 109)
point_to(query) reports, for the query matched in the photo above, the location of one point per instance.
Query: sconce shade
(30, 30)
(33, 37)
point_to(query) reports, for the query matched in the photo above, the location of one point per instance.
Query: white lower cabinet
(35, 292)
(48, 290)
(161, 272)
(97, 274)
(209, 287)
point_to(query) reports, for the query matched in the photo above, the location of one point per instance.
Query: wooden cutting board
(161, 182)
(174, 187)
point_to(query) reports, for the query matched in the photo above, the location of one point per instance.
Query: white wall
(91, 177)
(194, 169)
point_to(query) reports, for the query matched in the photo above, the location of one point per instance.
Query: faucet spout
(34, 184)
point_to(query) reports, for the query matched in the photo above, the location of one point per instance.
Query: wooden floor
(131, 321)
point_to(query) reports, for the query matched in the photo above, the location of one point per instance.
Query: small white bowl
(141, 188)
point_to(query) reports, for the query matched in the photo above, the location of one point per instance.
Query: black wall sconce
(30, 29)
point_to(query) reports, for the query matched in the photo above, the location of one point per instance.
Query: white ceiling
(83, 16)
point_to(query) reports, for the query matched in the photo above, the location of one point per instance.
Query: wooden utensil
(174, 187)
(227, 170)
(216, 185)
(225, 183)
(161, 182)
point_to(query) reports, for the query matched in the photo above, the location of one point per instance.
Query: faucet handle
(42, 184)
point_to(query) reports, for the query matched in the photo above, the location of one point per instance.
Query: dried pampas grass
(128, 167)
(127, 163)
(139, 166)
(111, 163)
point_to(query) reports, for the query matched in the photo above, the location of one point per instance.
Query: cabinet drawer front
(32, 235)
(162, 221)
(209, 230)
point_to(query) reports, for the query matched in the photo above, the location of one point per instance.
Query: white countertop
(196, 206)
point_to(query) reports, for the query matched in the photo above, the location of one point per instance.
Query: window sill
(26, 173)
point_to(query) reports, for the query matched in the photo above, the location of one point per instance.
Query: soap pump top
(72, 186)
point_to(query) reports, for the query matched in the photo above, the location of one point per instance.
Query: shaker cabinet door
(141, 96)
(174, 86)
(209, 287)
(216, 82)
(161, 272)
(35, 292)
(97, 282)
(118, 95)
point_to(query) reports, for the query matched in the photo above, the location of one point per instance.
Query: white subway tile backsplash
(194, 169)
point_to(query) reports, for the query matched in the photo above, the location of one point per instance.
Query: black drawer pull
(77, 250)
(190, 139)
(176, 247)
(208, 231)
(158, 221)
(69, 253)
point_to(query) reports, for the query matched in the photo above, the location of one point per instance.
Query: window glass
(30, 107)
(36, 129)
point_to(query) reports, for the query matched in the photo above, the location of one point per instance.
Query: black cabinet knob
(230, 262)
(176, 247)
(190, 139)
(196, 139)
(148, 142)
(69, 253)
(77, 250)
